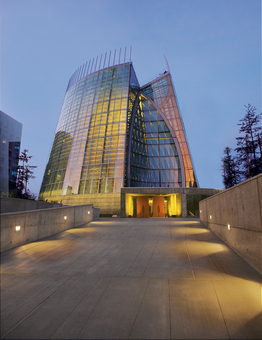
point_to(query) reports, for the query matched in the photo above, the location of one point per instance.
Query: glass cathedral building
(114, 133)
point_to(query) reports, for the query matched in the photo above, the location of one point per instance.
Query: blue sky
(213, 48)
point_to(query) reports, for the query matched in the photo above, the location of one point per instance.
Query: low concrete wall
(96, 214)
(37, 224)
(8, 204)
(240, 207)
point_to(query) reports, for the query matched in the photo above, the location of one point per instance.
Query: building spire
(167, 64)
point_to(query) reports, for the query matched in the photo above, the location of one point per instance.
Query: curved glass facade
(161, 91)
(154, 160)
(112, 133)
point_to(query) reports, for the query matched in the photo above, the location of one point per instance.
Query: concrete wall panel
(228, 208)
(246, 243)
(8, 204)
(37, 224)
(241, 208)
(247, 200)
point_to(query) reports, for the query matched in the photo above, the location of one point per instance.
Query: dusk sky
(213, 48)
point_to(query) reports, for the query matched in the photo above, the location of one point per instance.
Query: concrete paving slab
(7, 281)
(114, 315)
(90, 258)
(117, 261)
(202, 263)
(72, 326)
(19, 302)
(169, 261)
(52, 312)
(73, 252)
(240, 301)
(152, 320)
(195, 311)
(129, 278)
(142, 259)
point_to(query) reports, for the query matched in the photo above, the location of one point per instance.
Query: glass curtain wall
(88, 151)
(154, 160)
(111, 133)
(161, 91)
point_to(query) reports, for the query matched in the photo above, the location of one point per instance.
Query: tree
(230, 171)
(249, 158)
(25, 172)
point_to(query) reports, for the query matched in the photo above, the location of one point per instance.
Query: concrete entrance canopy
(163, 202)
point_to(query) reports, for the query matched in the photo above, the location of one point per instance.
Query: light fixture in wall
(210, 217)
(88, 212)
(200, 211)
(65, 218)
(228, 226)
(17, 228)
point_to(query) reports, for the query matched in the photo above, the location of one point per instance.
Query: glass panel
(162, 93)
(153, 159)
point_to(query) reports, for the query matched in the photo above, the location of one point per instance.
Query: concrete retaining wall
(37, 224)
(8, 204)
(240, 207)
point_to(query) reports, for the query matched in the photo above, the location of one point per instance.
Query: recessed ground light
(88, 212)
(200, 211)
(17, 228)
(228, 226)
(65, 218)
(210, 217)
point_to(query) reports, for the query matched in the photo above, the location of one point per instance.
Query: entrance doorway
(144, 206)
(158, 206)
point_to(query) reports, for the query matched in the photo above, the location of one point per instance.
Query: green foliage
(248, 159)
(25, 172)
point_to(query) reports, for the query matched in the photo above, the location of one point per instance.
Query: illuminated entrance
(153, 206)
(163, 201)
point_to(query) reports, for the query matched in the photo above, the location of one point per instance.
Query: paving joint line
(139, 308)
(193, 272)
(75, 306)
(135, 258)
(103, 256)
(150, 258)
(169, 300)
(94, 306)
(80, 256)
(33, 310)
(221, 309)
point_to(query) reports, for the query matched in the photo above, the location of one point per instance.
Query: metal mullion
(88, 67)
(100, 62)
(114, 57)
(95, 64)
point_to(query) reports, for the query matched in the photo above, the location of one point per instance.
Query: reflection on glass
(154, 158)
(161, 91)
(110, 135)
(56, 166)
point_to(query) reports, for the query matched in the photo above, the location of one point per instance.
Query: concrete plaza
(130, 279)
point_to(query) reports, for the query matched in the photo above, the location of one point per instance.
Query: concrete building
(10, 137)
(113, 133)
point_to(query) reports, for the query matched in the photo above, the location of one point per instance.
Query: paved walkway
(130, 279)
